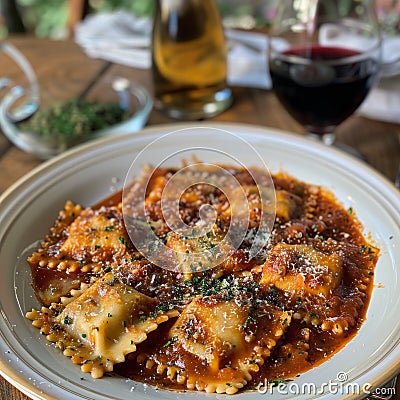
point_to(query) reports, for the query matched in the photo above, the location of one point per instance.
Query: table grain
(64, 71)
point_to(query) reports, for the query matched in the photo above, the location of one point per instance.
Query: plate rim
(167, 127)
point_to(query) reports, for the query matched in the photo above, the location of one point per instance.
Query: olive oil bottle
(189, 59)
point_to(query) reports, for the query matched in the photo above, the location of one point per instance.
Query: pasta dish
(216, 324)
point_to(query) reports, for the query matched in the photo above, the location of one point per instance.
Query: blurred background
(50, 18)
(54, 18)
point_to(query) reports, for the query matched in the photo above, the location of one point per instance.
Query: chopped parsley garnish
(276, 382)
(164, 307)
(170, 341)
(350, 210)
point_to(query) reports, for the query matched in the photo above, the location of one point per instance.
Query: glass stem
(326, 138)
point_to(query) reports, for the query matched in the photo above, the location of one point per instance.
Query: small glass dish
(131, 97)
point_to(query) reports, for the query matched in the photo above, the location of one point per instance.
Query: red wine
(322, 86)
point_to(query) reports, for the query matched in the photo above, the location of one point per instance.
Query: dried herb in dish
(73, 121)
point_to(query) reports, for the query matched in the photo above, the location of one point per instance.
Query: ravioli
(302, 269)
(101, 325)
(215, 348)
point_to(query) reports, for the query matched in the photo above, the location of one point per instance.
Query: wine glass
(324, 58)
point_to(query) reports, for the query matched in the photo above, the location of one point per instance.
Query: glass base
(184, 107)
(329, 140)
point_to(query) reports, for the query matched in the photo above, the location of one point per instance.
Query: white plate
(93, 171)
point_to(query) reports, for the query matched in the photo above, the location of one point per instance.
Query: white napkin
(383, 102)
(247, 59)
(125, 39)
(122, 38)
(119, 37)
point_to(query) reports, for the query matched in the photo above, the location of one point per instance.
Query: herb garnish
(73, 121)
(170, 341)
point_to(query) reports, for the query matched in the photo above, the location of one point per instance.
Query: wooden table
(64, 72)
